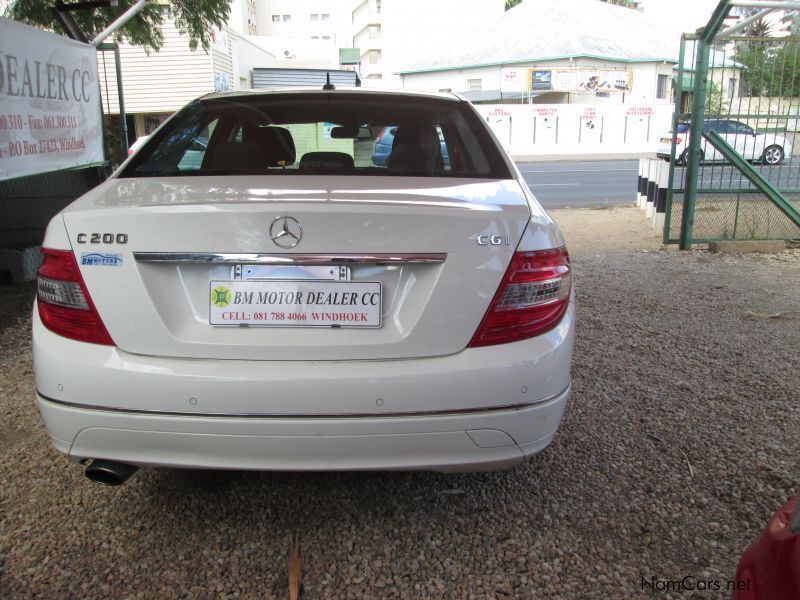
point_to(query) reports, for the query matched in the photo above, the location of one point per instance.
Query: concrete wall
(542, 129)
(246, 55)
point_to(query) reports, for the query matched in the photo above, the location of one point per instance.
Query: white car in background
(137, 143)
(256, 311)
(766, 148)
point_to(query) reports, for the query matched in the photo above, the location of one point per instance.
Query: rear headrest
(326, 161)
(416, 150)
(236, 156)
(278, 144)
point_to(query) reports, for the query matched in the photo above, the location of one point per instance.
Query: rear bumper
(482, 408)
(484, 440)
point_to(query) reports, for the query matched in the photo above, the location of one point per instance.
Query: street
(588, 184)
(582, 184)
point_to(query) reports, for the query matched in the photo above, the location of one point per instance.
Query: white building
(388, 32)
(571, 51)
(385, 32)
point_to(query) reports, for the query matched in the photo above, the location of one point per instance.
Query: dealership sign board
(579, 79)
(49, 102)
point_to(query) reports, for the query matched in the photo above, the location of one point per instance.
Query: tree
(512, 3)
(760, 29)
(193, 18)
(634, 4)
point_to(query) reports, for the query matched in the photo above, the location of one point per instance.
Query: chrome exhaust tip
(108, 472)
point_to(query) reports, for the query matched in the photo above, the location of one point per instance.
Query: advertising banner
(49, 102)
(579, 79)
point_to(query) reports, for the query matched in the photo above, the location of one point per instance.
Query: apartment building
(388, 34)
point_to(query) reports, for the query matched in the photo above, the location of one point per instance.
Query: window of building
(378, 6)
(287, 18)
(731, 88)
(314, 37)
(374, 32)
(276, 18)
(474, 85)
(326, 37)
(445, 89)
(165, 10)
(374, 57)
(325, 17)
(315, 16)
(661, 86)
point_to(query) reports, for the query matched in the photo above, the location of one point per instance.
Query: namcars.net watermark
(691, 583)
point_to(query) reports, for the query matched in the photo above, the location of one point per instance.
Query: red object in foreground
(64, 303)
(771, 565)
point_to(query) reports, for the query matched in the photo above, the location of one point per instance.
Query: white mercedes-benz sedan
(281, 302)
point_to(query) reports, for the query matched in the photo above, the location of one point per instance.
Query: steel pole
(123, 127)
(698, 113)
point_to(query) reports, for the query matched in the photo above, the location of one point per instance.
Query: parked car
(767, 148)
(770, 567)
(264, 313)
(383, 147)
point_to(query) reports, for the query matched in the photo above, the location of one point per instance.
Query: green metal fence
(734, 163)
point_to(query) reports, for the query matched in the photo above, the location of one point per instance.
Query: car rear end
(664, 149)
(304, 309)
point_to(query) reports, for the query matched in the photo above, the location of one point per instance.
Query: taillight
(64, 304)
(531, 299)
(678, 140)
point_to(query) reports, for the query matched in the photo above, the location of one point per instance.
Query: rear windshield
(332, 134)
(683, 127)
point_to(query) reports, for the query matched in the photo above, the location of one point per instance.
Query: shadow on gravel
(15, 302)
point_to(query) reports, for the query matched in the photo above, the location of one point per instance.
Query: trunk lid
(148, 250)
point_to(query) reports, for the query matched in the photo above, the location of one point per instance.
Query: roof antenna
(328, 85)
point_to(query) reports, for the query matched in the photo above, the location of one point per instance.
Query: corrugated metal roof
(544, 30)
(491, 95)
(717, 59)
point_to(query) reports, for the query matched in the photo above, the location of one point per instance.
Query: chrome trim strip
(288, 259)
(443, 413)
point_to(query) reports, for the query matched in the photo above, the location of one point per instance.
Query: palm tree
(760, 28)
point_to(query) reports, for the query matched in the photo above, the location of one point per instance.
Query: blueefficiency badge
(95, 259)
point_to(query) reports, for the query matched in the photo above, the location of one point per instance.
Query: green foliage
(715, 101)
(634, 4)
(770, 69)
(193, 18)
(760, 28)
(512, 3)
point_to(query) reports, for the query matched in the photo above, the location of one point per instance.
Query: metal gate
(734, 164)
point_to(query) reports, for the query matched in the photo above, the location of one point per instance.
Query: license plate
(301, 303)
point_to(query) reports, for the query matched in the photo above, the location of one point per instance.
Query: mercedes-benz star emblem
(286, 232)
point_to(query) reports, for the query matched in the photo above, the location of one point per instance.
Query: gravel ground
(680, 440)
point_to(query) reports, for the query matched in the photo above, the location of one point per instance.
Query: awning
(688, 82)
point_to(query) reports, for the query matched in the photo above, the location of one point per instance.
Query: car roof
(447, 96)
